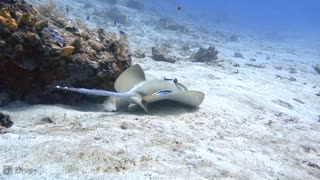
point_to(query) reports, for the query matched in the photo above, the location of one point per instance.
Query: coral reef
(206, 55)
(38, 51)
(50, 10)
(159, 54)
(7, 21)
(134, 4)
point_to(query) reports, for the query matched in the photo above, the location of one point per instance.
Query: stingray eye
(175, 80)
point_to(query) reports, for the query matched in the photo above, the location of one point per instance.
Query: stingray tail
(96, 92)
(121, 103)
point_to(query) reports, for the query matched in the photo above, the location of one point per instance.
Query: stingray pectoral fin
(190, 98)
(140, 102)
(129, 78)
(122, 104)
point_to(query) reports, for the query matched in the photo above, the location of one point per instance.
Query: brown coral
(38, 54)
(5, 13)
(7, 21)
(27, 19)
(119, 50)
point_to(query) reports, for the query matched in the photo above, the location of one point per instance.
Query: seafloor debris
(283, 104)
(38, 51)
(168, 24)
(292, 70)
(5, 120)
(206, 55)
(139, 54)
(113, 14)
(278, 67)
(112, 2)
(317, 68)
(46, 120)
(311, 164)
(238, 55)
(233, 38)
(255, 65)
(283, 77)
(134, 4)
(298, 100)
(159, 54)
(124, 126)
(236, 65)
(292, 79)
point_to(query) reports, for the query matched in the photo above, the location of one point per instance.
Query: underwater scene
(159, 89)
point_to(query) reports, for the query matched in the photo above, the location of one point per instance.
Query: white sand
(237, 133)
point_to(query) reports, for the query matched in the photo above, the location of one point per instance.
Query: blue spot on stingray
(163, 92)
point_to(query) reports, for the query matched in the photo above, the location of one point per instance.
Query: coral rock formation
(7, 21)
(206, 55)
(159, 54)
(37, 52)
(5, 120)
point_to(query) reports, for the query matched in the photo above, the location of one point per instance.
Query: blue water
(270, 15)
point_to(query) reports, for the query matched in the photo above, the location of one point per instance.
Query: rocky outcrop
(206, 55)
(37, 52)
(5, 120)
(159, 54)
(238, 55)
